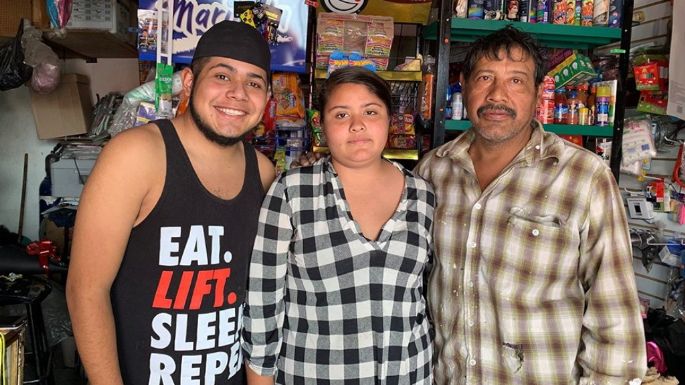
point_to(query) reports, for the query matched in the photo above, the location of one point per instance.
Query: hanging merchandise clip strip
(165, 69)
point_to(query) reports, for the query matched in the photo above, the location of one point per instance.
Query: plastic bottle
(457, 104)
(545, 107)
(582, 95)
(592, 105)
(427, 88)
(603, 99)
(560, 106)
(583, 110)
(573, 107)
(448, 103)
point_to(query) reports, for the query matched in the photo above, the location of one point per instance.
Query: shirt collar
(542, 145)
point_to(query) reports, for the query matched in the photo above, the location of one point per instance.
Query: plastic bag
(125, 117)
(13, 71)
(59, 12)
(45, 63)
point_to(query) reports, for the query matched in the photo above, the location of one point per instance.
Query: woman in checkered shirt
(336, 284)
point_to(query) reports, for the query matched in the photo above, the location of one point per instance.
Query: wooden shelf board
(94, 44)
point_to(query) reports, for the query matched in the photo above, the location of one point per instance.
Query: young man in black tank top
(166, 224)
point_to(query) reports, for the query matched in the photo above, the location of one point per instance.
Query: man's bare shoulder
(143, 139)
(267, 171)
(137, 149)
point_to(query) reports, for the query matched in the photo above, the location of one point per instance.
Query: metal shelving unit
(390, 76)
(449, 29)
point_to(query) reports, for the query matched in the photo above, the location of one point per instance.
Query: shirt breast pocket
(540, 246)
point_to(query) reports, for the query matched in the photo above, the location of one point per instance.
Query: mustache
(496, 107)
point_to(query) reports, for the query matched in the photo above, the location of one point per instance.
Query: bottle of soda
(603, 98)
(592, 105)
(560, 106)
(573, 107)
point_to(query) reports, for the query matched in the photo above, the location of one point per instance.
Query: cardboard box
(574, 70)
(113, 16)
(65, 111)
(11, 11)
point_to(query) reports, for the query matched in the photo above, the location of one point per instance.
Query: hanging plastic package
(59, 12)
(45, 63)
(125, 117)
(13, 71)
(163, 90)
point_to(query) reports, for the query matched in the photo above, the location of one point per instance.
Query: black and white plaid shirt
(327, 306)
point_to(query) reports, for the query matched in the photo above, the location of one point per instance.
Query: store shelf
(388, 153)
(549, 35)
(562, 129)
(391, 76)
(86, 43)
(392, 153)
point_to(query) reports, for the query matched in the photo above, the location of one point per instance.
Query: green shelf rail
(549, 35)
(561, 129)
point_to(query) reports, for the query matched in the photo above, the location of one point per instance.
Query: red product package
(647, 77)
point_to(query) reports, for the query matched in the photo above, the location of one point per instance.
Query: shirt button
(537, 147)
(472, 245)
(470, 283)
(471, 323)
(477, 206)
(535, 232)
(472, 362)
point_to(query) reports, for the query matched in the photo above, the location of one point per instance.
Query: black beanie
(235, 40)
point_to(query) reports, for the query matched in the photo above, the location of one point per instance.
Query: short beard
(208, 132)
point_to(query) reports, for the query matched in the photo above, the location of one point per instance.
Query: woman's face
(356, 124)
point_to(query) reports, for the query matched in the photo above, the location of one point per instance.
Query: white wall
(18, 136)
(107, 75)
(655, 284)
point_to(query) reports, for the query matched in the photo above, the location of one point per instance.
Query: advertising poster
(283, 23)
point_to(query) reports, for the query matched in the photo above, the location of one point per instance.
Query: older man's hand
(307, 158)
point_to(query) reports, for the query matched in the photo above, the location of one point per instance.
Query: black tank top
(178, 296)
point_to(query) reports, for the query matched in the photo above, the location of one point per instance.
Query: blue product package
(615, 13)
(476, 9)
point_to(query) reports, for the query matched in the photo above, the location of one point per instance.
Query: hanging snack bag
(273, 19)
(314, 121)
(288, 95)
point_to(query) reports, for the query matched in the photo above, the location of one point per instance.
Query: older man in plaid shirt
(533, 281)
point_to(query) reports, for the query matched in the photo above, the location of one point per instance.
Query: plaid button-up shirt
(325, 305)
(532, 281)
